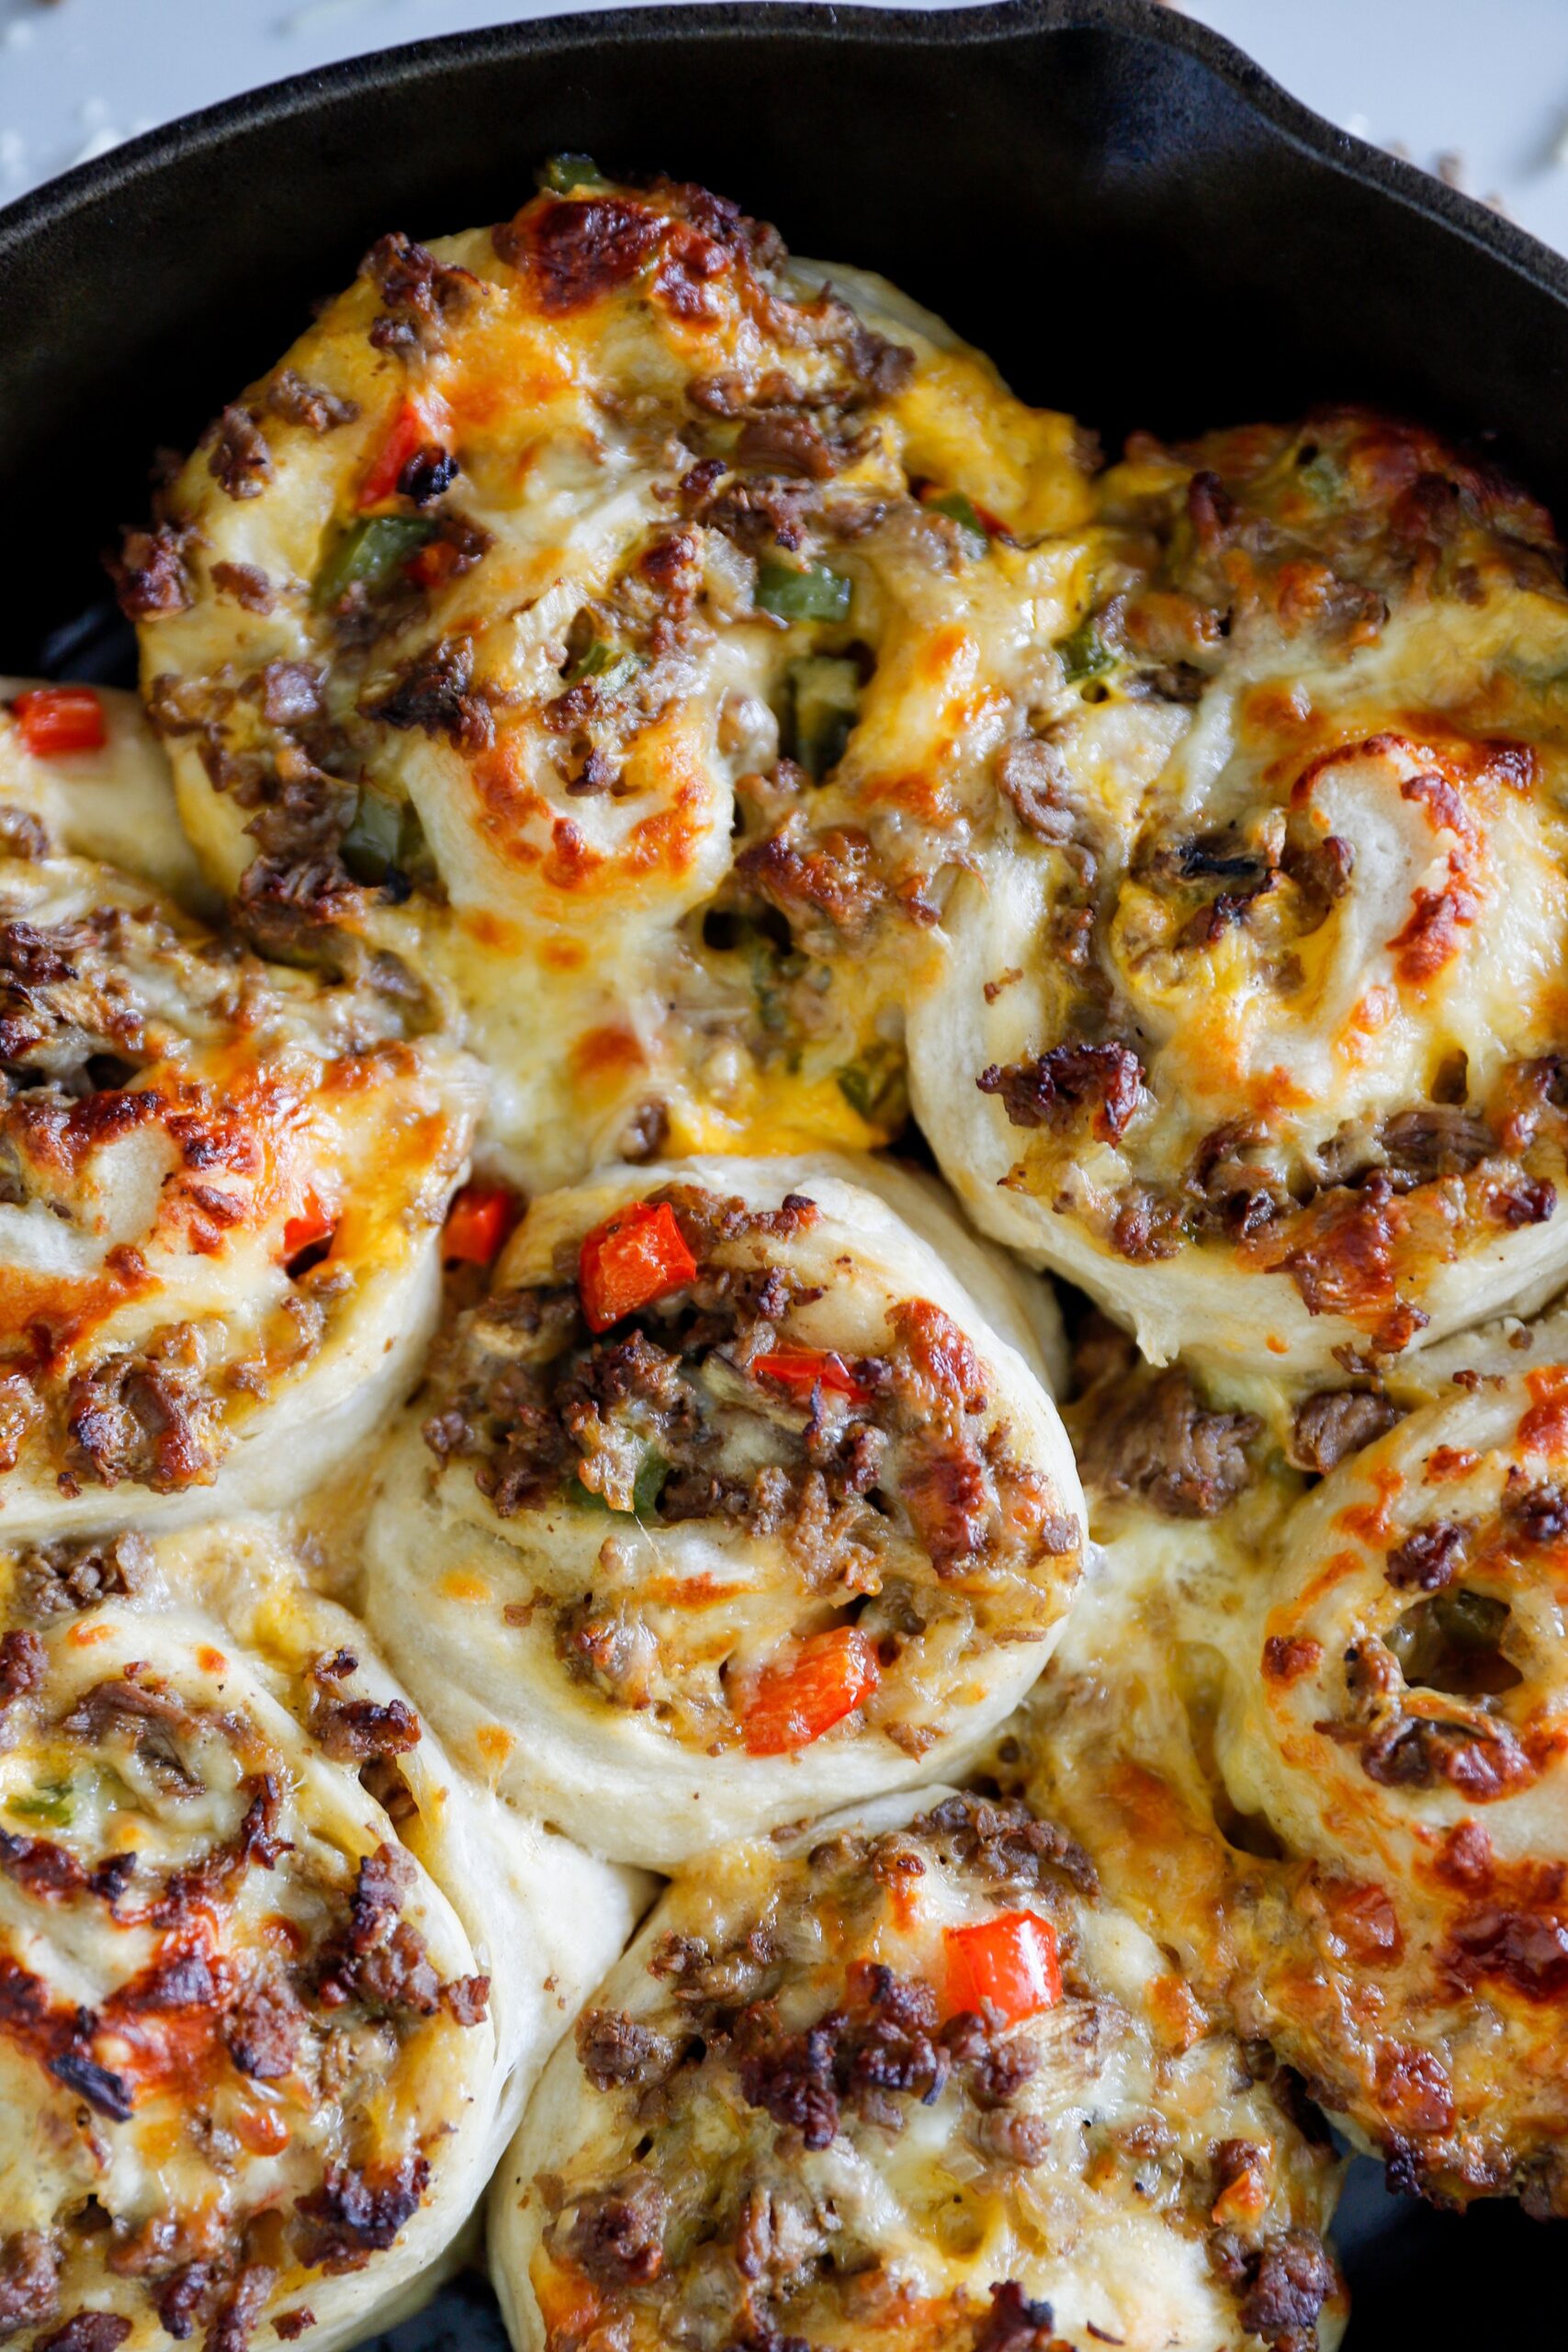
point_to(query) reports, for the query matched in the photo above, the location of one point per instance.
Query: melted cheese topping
(1061, 2167)
(1252, 1002)
(218, 1206)
(815, 1457)
(1317, 1741)
(115, 803)
(258, 2050)
(667, 488)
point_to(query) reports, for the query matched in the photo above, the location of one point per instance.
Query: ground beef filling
(885, 1475)
(333, 2007)
(732, 2072)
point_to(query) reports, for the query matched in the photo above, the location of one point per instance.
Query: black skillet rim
(296, 98)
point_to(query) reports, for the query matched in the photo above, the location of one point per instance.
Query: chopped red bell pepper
(57, 720)
(312, 1224)
(632, 1259)
(802, 1370)
(829, 1675)
(477, 1222)
(418, 424)
(1010, 1961)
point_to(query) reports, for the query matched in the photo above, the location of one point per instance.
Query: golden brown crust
(786, 2053)
(1273, 948)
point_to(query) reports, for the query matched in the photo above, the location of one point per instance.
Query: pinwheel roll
(273, 1980)
(724, 1501)
(907, 2080)
(618, 622)
(1252, 1015)
(82, 771)
(1317, 1741)
(220, 1190)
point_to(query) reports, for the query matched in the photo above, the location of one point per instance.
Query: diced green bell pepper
(960, 510)
(51, 1800)
(1085, 653)
(825, 698)
(561, 174)
(371, 555)
(646, 1488)
(818, 595)
(611, 669)
(873, 1085)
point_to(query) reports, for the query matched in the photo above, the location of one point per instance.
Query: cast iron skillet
(1135, 221)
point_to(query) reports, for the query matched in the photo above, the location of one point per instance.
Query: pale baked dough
(1251, 1004)
(275, 1979)
(223, 1189)
(115, 803)
(777, 2124)
(660, 934)
(602, 1667)
(1316, 1741)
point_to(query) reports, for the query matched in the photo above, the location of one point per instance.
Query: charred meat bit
(1160, 1443)
(1005, 1842)
(355, 2213)
(239, 2311)
(246, 583)
(437, 692)
(88, 2332)
(1293, 2279)
(24, 1662)
(353, 1731)
(239, 460)
(288, 396)
(572, 251)
(419, 293)
(1017, 2323)
(1538, 1515)
(1429, 1558)
(77, 1572)
(1337, 1422)
(1525, 1949)
(29, 2279)
(149, 573)
(792, 2077)
(263, 2029)
(143, 1417)
(614, 2049)
(1056, 1089)
(618, 2233)
(1033, 776)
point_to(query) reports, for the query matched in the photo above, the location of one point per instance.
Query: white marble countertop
(1478, 88)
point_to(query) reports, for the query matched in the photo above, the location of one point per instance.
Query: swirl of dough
(726, 1499)
(618, 623)
(1251, 1015)
(112, 798)
(792, 2051)
(274, 1983)
(1318, 1739)
(221, 1191)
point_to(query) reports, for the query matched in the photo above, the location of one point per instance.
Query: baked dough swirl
(1252, 1018)
(220, 1193)
(1318, 1739)
(611, 619)
(274, 1980)
(907, 2080)
(726, 1499)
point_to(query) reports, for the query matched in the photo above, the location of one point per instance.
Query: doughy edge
(542, 1918)
(1199, 1303)
(653, 1803)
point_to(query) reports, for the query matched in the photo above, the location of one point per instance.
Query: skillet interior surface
(1135, 222)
